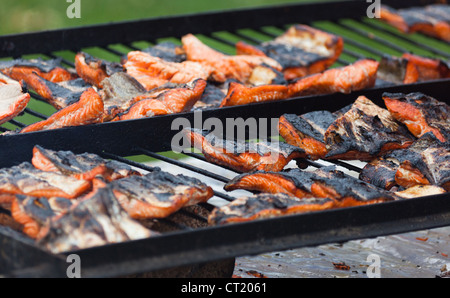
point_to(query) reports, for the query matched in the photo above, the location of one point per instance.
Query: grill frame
(202, 244)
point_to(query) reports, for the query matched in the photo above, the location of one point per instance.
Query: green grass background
(33, 15)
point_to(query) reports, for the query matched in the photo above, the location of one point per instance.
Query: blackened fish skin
(96, 221)
(365, 132)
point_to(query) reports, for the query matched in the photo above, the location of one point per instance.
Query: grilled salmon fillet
(88, 110)
(221, 66)
(25, 179)
(265, 205)
(420, 113)
(239, 94)
(301, 50)
(94, 70)
(433, 20)
(159, 194)
(397, 70)
(85, 166)
(357, 76)
(365, 132)
(35, 212)
(168, 51)
(380, 172)
(13, 100)
(322, 183)
(243, 156)
(153, 72)
(175, 98)
(50, 70)
(120, 91)
(428, 68)
(307, 131)
(94, 221)
(425, 162)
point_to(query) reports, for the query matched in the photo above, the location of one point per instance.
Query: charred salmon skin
(159, 194)
(243, 156)
(397, 70)
(153, 72)
(94, 70)
(120, 91)
(176, 98)
(357, 76)
(301, 50)
(265, 205)
(433, 20)
(85, 166)
(94, 221)
(13, 100)
(25, 179)
(88, 110)
(221, 66)
(168, 51)
(50, 70)
(420, 113)
(34, 212)
(365, 132)
(425, 162)
(307, 131)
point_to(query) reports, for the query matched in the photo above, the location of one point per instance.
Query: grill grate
(362, 38)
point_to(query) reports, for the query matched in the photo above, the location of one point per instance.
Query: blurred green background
(31, 15)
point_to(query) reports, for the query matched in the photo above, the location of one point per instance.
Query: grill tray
(118, 140)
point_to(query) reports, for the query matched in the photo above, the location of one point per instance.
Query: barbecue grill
(190, 240)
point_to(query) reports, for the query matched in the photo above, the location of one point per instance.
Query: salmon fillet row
(432, 20)
(49, 193)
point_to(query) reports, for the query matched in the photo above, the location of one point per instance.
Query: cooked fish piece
(307, 131)
(433, 20)
(420, 191)
(120, 91)
(420, 113)
(167, 51)
(13, 100)
(365, 132)
(357, 76)
(239, 94)
(293, 182)
(301, 50)
(381, 172)
(59, 95)
(425, 162)
(94, 221)
(85, 166)
(50, 70)
(266, 75)
(323, 183)
(94, 70)
(211, 98)
(152, 72)
(176, 98)
(88, 110)
(25, 179)
(266, 206)
(221, 66)
(243, 156)
(397, 70)
(159, 194)
(35, 212)
(428, 68)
